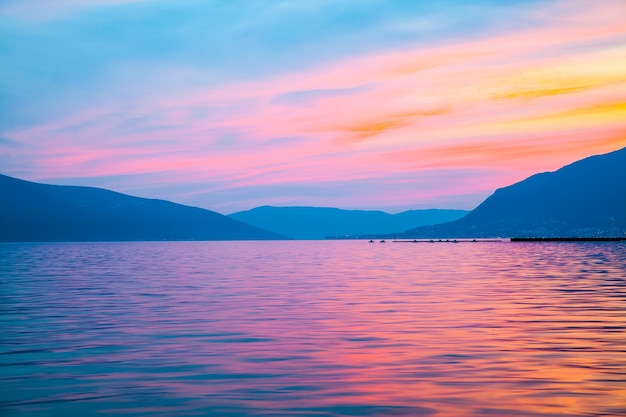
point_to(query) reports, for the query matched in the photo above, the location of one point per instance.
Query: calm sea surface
(319, 328)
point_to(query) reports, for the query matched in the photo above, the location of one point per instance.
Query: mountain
(321, 222)
(38, 212)
(584, 199)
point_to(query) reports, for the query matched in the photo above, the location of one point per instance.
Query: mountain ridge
(586, 198)
(304, 222)
(37, 212)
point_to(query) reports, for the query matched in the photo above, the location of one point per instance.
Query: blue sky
(59, 54)
(89, 90)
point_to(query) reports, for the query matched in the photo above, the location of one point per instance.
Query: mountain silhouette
(584, 199)
(32, 212)
(322, 222)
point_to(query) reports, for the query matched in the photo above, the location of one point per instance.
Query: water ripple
(326, 328)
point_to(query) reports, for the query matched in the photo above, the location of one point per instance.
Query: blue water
(319, 328)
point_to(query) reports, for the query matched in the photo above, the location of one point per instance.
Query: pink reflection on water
(329, 328)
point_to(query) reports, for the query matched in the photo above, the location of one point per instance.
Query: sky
(357, 104)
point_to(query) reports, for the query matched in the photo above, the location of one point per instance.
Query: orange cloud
(528, 151)
(519, 102)
(368, 128)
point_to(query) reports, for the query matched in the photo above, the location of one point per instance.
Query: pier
(451, 240)
(515, 239)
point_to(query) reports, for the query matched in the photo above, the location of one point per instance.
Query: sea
(313, 328)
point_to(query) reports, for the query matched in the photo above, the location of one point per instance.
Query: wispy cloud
(486, 110)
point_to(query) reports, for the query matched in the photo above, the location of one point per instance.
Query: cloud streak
(487, 111)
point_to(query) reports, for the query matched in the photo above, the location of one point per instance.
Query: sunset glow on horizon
(229, 107)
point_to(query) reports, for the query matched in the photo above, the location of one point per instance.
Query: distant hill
(583, 199)
(37, 212)
(321, 222)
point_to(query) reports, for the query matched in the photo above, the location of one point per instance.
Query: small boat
(382, 241)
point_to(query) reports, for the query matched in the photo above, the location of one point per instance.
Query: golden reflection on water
(314, 328)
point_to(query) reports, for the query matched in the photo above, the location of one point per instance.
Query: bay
(313, 328)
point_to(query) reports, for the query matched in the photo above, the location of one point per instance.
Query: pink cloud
(517, 104)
